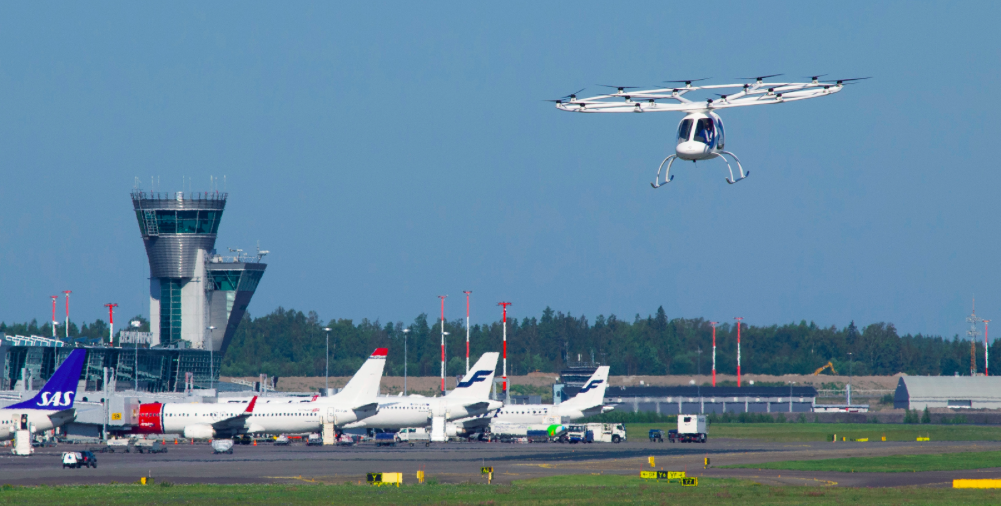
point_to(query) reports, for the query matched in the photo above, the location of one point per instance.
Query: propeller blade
(688, 81)
(853, 79)
(814, 78)
(760, 77)
(620, 88)
(574, 94)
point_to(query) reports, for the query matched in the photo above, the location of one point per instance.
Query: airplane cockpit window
(684, 130)
(705, 131)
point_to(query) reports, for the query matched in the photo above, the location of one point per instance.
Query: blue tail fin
(59, 392)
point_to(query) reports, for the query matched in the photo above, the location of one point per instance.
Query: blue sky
(389, 153)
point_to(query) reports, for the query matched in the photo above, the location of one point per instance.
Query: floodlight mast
(111, 319)
(54, 297)
(467, 292)
(738, 318)
(985, 347)
(67, 326)
(505, 305)
(442, 297)
(714, 324)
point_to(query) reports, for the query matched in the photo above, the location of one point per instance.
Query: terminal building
(690, 400)
(197, 299)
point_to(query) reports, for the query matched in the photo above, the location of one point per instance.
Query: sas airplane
(52, 407)
(471, 397)
(268, 415)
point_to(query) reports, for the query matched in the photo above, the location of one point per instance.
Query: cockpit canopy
(702, 128)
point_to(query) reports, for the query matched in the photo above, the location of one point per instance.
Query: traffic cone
(255, 442)
(175, 440)
(192, 442)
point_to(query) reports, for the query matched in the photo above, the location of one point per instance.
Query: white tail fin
(363, 388)
(593, 393)
(476, 384)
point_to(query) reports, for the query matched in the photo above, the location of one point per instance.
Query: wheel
(616, 439)
(94, 465)
(411, 445)
(426, 445)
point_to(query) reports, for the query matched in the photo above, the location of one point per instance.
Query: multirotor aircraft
(700, 133)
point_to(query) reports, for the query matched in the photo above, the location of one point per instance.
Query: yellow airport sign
(984, 483)
(689, 482)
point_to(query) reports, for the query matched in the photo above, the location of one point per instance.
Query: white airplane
(589, 401)
(51, 407)
(268, 415)
(471, 397)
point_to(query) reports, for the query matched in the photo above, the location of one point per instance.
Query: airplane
(700, 133)
(471, 397)
(268, 415)
(51, 407)
(588, 401)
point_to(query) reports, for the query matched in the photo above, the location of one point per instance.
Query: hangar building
(971, 392)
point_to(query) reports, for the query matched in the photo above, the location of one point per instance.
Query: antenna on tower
(973, 319)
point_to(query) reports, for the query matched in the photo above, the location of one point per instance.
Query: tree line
(287, 342)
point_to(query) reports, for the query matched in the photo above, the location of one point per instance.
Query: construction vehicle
(826, 366)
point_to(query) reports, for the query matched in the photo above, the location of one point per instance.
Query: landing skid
(740, 169)
(667, 175)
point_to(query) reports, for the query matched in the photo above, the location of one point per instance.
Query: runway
(461, 462)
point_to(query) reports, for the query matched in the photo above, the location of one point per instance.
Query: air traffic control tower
(191, 288)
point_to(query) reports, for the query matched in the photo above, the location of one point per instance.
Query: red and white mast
(467, 292)
(505, 305)
(111, 318)
(738, 318)
(714, 324)
(54, 323)
(442, 297)
(67, 326)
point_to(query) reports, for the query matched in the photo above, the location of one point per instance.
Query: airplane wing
(237, 422)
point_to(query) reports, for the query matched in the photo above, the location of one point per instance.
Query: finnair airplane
(471, 397)
(589, 401)
(51, 407)
(268, 415)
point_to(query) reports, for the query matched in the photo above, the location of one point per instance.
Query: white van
(414, 435)
(71, 459)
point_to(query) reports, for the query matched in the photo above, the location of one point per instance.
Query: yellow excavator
(826, 366)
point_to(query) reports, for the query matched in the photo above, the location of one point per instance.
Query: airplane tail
(476, 384)
(59, 392)
(593, 393)
(363, 388)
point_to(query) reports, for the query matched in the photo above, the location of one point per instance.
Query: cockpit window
(685, 130)
(705, 131)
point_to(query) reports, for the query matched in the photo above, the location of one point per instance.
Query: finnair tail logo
(477, 377)
(55, 400)
(591, 385)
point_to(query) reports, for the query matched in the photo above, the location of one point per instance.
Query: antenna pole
(505, 305)
(973, 320)
(67, 326)
(467, 292)
(985, 346)
(714, 324)
(738, 318)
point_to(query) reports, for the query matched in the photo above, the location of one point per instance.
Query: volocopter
(701, 134)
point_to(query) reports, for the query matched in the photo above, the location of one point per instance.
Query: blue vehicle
(386, 439)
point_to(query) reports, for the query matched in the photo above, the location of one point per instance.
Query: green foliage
(911, 416)
(926, 416)
(628, 417)
(891, 464)
(747, 418)
(886, 399)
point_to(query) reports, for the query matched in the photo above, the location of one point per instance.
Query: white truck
(414, 435)
(691, 429)
(607, 432)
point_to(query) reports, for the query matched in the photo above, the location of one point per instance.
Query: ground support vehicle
(607, 432)
(222, 446)
(691, 429)
(71, 459)
(345, 440)
(414, 435)
(282, 440)
(314, 440)
(579, 434)
(656, 435)
(386, 439)
(115, 444)
(538, 436)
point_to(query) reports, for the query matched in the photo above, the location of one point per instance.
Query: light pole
(67, 328)
(326, 367)
(700, 362)
(738, 318)
(467, 292)
(405, 333)
(111, 319)
(442, 297)
(135, 372)
(791, 383)
(849, 390)
(211, 328)
(714, 324)
(985, 346)
(54, 297)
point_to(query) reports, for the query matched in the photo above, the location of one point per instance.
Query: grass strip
(889, 464)
(558, 490)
